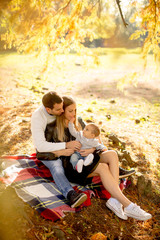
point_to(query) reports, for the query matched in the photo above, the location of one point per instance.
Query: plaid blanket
(34, 184)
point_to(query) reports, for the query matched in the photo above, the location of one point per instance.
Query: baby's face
(87, 132)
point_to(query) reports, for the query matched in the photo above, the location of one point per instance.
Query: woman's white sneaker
(136, 212)
(116, 207)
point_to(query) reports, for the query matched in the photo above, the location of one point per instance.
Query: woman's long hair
(67, 101)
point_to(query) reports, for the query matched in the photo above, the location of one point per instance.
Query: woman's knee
(109, 155)
(115, 155)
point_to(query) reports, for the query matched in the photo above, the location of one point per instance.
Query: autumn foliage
(148, 21)
(62, 26)
(53, 25)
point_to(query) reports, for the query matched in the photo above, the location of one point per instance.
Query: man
(52, 107)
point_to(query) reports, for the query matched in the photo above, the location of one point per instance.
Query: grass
(106, 54)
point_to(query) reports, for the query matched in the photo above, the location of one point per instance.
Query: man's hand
(64, 152)
(85, 152)
(75, 145)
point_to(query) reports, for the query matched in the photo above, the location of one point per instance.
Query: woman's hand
(75, 145)
(64, 152)
(85, 152)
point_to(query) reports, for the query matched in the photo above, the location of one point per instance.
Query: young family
(77, 156)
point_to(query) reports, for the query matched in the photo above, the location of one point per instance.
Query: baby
(87, 138)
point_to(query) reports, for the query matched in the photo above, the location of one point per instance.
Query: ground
(131, 114)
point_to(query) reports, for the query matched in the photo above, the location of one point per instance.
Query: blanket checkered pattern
(34, 184)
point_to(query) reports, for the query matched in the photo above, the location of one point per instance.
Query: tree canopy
(148, 21)
(58, 26)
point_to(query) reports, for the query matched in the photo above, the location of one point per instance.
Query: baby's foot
(79, 165)
(89, 159)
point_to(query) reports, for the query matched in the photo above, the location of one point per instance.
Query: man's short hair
(50, 98)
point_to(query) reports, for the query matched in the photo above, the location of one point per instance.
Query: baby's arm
(99, 145)
(72, 129)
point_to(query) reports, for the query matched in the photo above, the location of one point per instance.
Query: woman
(105, 165)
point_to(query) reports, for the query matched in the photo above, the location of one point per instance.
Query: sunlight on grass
(29, 67)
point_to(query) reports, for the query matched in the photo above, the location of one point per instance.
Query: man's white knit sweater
(39, 120)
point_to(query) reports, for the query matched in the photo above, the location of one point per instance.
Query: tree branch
(64, 7)
(99, 8)
(120, 10)
(155, 18)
